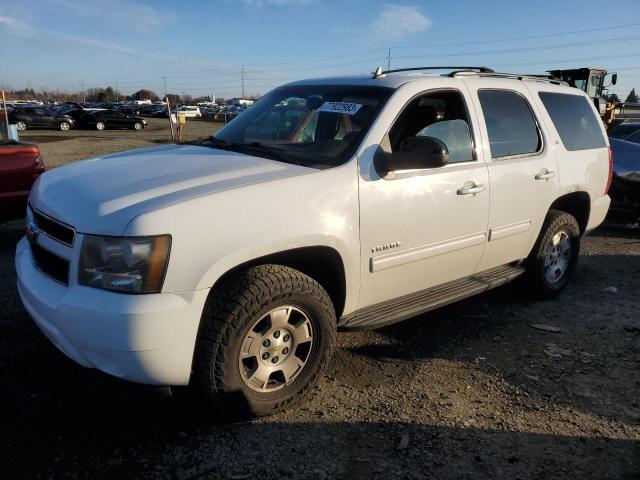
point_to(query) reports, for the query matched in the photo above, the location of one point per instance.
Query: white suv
(347, 202)
(190, 111)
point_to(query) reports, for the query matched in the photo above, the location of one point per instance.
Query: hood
(626, 159)
(102, 195)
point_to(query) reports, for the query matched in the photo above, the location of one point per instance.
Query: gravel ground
(471, 391)
(59, 147)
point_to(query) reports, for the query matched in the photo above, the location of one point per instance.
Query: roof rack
(476, 71)
(379, 72)
(515, 76)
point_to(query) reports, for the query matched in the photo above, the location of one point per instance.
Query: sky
(202, 46)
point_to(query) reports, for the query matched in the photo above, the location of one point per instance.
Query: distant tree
(187, 98)
(144, 95)
(173, 98)
(109, 94)
(632, 97)
(101, 94)
(221, 100)
(612, 97)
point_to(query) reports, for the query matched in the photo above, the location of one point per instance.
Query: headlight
(124, 264)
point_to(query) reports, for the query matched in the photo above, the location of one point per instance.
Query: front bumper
(625, 199)
(142, 338)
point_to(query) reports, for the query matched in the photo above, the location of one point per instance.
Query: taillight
(606, 190)
(39, 166)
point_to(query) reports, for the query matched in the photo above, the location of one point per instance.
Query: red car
(20, 166)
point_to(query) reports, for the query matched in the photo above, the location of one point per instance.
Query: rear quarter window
(511, 126)
(577, 124)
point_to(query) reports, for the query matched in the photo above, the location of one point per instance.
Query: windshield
(317, 126)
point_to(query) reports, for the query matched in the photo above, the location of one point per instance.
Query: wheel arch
(322, 263)
(577, 204)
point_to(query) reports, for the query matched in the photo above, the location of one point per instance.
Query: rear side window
(511, 125)
(573, 117)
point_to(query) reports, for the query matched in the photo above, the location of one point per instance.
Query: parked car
(113, 119)
(625, 187)
(626, 131)
(355, 202)
(161, 112)
(190, 111)
(20, 165)
(39, 117)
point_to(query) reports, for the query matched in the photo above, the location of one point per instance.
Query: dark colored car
(39, 117)
(20, 166)
(629, 131)
(104, 119)
(161, 112)
(625, 186)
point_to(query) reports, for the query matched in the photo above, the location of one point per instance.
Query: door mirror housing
(614, 79)
(416, 153)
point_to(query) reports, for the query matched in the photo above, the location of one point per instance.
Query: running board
(414, 304)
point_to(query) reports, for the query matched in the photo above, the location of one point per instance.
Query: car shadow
(590, 364)
(63, 421)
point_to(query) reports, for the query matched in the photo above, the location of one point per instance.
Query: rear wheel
(554, 257)
(265, 337)
(21, 126)
(101, 126)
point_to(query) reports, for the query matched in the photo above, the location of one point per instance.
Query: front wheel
(554, 257)
(265, 337)
(21, 126)
(137, 126)
(65, 126)
(101, 126)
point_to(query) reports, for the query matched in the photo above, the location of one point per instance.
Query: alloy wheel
(557, 257)
(276, 349)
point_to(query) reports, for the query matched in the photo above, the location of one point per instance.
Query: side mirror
(415, 153)
(614, 79)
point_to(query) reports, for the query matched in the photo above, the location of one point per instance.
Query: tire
(101, 125)
(64, 126)
(21, 126)
(550, 267)
(137, 126)
(222, 367)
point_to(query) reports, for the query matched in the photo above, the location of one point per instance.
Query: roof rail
(515, 76)
(379, 72)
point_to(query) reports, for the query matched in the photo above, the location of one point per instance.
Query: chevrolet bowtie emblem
(32, 231)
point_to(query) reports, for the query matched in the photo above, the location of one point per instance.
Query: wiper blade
(274, 152)
(213, 142)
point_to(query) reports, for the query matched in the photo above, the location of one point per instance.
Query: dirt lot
(59, 148)
(471, 391)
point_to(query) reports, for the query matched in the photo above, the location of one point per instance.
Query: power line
(529, 37)
(527, 49)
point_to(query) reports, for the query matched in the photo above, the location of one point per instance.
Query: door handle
(470, 188)
(545, 174)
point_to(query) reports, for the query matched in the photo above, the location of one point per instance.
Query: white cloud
(395, 22)
(117, 13)
(23, 29)
(16, 26)
(259, 3)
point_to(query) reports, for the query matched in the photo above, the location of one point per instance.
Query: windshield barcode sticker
(340, 107)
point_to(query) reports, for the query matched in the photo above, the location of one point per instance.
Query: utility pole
(389, 60)
(242, 76)
(83, 99)
(117, 90)
(165, 87)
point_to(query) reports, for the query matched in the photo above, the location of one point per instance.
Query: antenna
(378, 72)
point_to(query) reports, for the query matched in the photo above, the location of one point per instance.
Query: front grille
(50, 264)
(53, 228)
